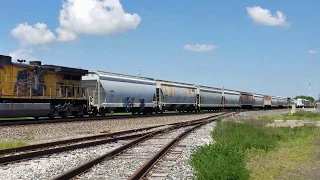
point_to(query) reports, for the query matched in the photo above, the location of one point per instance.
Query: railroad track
(29, 160)
(30, 151)
(96, 118)
(148, 148)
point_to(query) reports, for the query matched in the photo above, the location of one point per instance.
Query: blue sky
(244, 48)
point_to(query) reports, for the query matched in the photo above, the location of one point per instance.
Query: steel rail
(74, 140)
(29, 155)
(96, 118)
(147, 166)
(86, 166)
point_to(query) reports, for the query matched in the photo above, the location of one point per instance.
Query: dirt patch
(293, 123)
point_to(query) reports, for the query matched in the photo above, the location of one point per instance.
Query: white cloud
(199, 48)
(311, 51)
(25, 54)
(264, 17)
(33, 35)
(101, 17)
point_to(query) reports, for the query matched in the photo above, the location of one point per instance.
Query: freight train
(36, 90)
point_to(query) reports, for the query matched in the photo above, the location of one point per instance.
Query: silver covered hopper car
(120, 93)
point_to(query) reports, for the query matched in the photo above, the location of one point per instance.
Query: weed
(235, 142)
(218, 161)
(11, 144)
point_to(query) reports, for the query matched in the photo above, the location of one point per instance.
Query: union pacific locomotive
(38, 90)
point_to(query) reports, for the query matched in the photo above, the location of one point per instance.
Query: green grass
(12, 144)
(237, 142)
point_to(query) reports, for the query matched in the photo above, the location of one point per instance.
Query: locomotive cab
(40, 90)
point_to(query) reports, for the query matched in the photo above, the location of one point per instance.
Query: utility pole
(309, 89)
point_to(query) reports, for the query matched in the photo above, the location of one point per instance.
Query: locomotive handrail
(43, 90)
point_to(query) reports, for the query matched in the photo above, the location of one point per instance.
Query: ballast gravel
(42, 133)
(254, 114)
(50, 166)
(124, 165)
(181, 169)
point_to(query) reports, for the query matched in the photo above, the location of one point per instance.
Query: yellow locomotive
(40, 90)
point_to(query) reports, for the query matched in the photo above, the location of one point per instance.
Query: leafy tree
(304, 97)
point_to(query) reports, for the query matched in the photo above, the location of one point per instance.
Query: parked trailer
(120, 93)
(231, 99)
(307, 103)
(257, 101)
(246, 100)
(210, 98)
(300, 103)
(175, 96)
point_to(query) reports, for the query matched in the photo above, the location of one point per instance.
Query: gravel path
(50, 132)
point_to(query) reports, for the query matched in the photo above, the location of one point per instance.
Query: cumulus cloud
(25, 54)
(311, 51)
(33, 35)
(199, 48)
(264, 17)
(101, 17)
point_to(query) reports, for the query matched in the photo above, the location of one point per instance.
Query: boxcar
(120, 93)
(231, 99)
(246, 100)
(175, 96)
(257, 101)
(210, 98)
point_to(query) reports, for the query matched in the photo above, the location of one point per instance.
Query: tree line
(306, 97)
